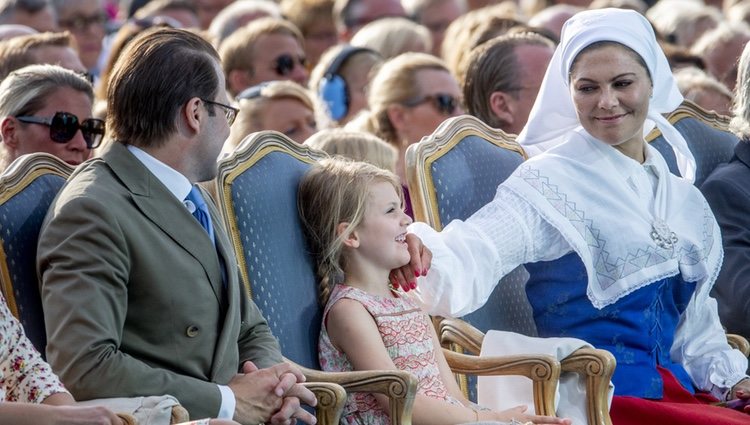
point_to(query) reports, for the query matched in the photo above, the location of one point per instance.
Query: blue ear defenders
(333, 89)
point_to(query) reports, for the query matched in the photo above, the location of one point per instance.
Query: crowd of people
(141, 290)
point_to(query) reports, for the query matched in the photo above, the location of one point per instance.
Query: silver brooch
(662, 235)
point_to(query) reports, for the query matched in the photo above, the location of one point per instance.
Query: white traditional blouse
(470, 257)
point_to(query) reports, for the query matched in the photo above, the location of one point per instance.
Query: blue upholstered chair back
(452, 174)
(466, 176)
(27, 189)
(258, 193)
(707, 137)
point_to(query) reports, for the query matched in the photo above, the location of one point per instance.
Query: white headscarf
(553, 116)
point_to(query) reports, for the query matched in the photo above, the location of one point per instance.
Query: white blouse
(470, 257)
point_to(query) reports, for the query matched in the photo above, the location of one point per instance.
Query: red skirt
(677, 407)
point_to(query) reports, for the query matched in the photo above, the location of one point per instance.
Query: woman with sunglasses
(46, 108)
(409, 97)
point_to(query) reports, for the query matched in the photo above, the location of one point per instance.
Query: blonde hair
(235, 16)
(237, 50)
(692, 81)
(306, 13)
(740, 124)
(392, 36)
(332, 192)
(355, 145)
(251, 110)
(396, 83)
(462, 34)
(27, 90)
(18, 52)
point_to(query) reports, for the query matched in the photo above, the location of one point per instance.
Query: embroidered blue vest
(638, 329)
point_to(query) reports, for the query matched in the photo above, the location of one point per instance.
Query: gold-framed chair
(27, 188)
(257, 189)
(454, 172)
(707, 135)
(257, 194)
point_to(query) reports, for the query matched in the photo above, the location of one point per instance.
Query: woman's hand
(741, 390)
(517, 413)
(421, 257)
(82, 415)
(51, 414)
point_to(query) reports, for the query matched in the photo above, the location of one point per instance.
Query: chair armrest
(331, 399)
(399, 386)
(127, 419)
(597, 367)
(739, 342)
(456, 331)
(543, 370)
(179, 414)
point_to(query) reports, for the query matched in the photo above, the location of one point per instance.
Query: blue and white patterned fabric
(465, 179)
(281, 274)
(639, 330)
(21, 218)
(710, 147)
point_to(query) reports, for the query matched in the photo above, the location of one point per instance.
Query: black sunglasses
(64, 125)
(284, 64)
(446, 104)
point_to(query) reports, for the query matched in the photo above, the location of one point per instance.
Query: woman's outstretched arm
(470, 257)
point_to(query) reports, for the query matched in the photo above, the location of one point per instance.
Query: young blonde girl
(356, 227)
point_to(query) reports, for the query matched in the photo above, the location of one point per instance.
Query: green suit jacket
(132, 291)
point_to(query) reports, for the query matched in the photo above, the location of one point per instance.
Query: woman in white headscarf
(620, 252)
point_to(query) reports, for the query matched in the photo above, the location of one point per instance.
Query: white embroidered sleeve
(470, 257)
(701, 347)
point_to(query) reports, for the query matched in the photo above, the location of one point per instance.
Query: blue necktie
(200, 211)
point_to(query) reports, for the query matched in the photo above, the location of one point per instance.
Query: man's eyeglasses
(444, 103)
(81, 22)
(64, 125)
(229, 111)
(284, 64)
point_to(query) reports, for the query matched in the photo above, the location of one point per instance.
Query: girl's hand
(421, 257)
(517, 414)
(741, 390)
(739, 399)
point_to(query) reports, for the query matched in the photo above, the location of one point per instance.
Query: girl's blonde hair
(396, 83)
(332, 192)
(355, 145)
